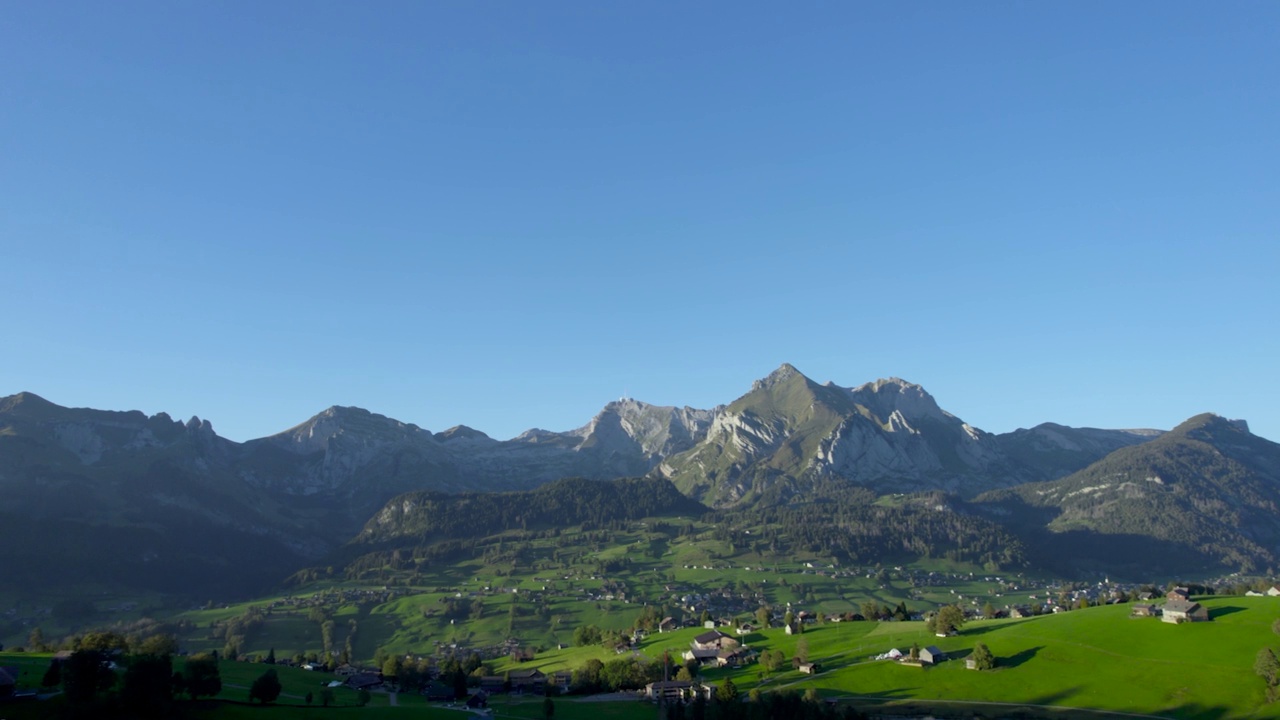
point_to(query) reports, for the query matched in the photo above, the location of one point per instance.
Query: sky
(507, 214)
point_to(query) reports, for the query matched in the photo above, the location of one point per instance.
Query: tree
(915, 652)
(85, 675)
(1267, 666)
(1275, 626)
(727, 692)
(35, 640)
(271, 657)
(266, 688)
(308, 698)
(988, 610)
(802, 650)
(391, 666)
(948, 620)
(682, 675)
(147, 688)
(52, 676)
(363, 698)
(762, 616)
(326, 697)
(982, 657)
(159, 644)
(201, 677)
(789, 620)
(548, 708)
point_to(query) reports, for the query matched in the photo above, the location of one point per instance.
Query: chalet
(746, 629)
(1178, 593)
(677, 690)
(735, 657)
(714, 640)
(478, 701)
(671, 690)
(932, 655)
(8, 681)
(808, 668)
(1142, 610)
(1018, 611)
(1273, 591)
(363, 681)
(703, 656)
(1180, 611)
(667, 625)
(492, 684)
(970, 664)
(528, 681)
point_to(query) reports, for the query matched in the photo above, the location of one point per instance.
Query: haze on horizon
(507, 216)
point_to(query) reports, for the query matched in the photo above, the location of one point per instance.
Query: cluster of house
(927, 656)
(1177, 608)
(1273, 591)
(716, 649)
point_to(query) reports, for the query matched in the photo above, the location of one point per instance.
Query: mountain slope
(1204, 495)
(790, 436)
(119, 497)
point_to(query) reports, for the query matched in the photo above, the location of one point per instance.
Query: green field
(1098, 658)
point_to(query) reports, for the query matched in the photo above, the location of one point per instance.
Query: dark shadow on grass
(1018, 658)
(973, 629)
(1221, 611)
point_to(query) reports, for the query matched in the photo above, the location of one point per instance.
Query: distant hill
(1205, 495)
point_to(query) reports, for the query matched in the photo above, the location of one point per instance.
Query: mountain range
(170, 495)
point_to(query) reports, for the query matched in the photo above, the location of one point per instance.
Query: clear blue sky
(506, 215)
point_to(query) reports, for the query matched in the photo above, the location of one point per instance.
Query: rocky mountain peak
(462, 432)
(785, 372)
(889, 396)
(28, 404)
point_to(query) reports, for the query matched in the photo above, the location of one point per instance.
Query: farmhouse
(675, 690)
(492, 684)
(714, 640)
(1180, 611)
(1178, 593)
(528, 681)
(932, 655)
(808, 668)
(1273, 591)
(667, 625)
(363, 681)
(1142, 610)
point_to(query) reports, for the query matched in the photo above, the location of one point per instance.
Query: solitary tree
(201, 677)
(982, 657)
(949, 619)
(266, 688)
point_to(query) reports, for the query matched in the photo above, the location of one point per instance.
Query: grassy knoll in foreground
(1097, 658)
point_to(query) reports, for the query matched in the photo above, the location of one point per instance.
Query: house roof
(933, 650)
(1182, 606)
(522, 674)
(363, 680)
(709, 637)
(670, 684)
